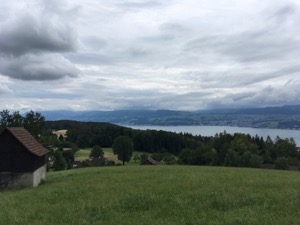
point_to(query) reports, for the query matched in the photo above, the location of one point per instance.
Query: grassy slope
(157, 195)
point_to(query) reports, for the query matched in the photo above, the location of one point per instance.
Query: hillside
(157, 195)
(285, 117)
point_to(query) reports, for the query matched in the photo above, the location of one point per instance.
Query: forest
(222, 149)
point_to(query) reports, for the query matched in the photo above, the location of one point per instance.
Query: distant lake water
(212, 130)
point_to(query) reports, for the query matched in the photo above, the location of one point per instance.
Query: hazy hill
(286, 117)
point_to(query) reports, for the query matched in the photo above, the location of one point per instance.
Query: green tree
(232, 158)
(83, 141)
(96, 152)
(123, 147)
(6, 118)
(281, 163)
(136, 157)
(61, 137)
(285, 147)
(11, 120)
(34, 122)
(69, 157)
(251, 160)
(168, 158)
(17, 119)
(59, 161)
(187, 156)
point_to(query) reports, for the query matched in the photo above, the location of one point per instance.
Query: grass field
(84, 154)
(157, 195)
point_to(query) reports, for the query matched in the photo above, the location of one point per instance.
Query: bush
(97, 152)
(59, 161)
(251, 160)
(85, 163)
(293, 161)
(281, 163)
(232, 158)
(168, 159)
(136, 157)
(255, 161)
(110, 163)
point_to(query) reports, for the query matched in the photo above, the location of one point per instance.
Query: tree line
(223, 149)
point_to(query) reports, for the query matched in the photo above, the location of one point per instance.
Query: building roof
(27, 140)
(149, 161)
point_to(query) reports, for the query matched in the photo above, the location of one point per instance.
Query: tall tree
(34, 122)
(59, 161)
(123, 147)
(17, 119)
(6, 118)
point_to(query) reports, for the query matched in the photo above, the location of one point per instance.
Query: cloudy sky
(149, 54)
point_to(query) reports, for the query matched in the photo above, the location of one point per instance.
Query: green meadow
(157, 195)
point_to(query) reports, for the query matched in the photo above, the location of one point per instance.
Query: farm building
(22, 159)
(149, 161)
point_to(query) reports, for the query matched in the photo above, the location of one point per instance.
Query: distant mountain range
(284, 117)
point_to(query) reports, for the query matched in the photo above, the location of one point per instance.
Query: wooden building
(22, 159)
(149, 161)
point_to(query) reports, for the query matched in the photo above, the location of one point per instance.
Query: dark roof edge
(43, 151)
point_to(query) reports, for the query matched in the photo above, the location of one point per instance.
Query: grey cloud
(174, 28)
(235, 78)
(261, 46)
(287, 70)
(275, 38)
(155, 99)
(139, 5)
(30, 43)
(254, 77)
(247, 46)
(238, 97)
(91, 58)
(30, 34)
(136, 52)
(269, 95)
(168, 32)
(273, 95)
(4, 90)
(95, 43)
(159, 38)
(152, 54)
(38, 67)
(46, 94)
(111, 56)
(285, 12)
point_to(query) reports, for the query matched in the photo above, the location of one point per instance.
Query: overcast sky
(144, 54)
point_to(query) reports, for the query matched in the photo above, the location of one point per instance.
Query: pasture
(84, 154)
(163, 195)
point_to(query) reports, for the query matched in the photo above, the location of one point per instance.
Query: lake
(212, 130)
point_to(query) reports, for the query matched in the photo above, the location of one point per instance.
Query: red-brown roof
(27, 140)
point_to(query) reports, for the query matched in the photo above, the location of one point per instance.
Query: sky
(148, 54)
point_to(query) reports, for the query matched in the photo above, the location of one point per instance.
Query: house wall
(16, 180)
(15, 158)
(39, 175)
